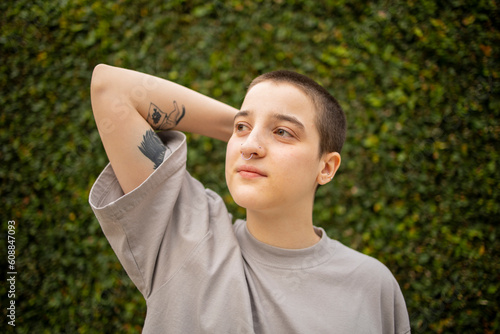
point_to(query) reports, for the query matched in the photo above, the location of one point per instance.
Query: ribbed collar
(283, 258)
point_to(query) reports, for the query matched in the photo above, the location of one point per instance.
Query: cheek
(232, 150)
(301, 168)
(232, 153)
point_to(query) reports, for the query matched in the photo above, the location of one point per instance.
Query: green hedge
(418, 187)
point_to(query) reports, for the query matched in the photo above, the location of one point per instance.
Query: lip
(250, 172)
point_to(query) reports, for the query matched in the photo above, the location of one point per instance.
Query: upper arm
(133, 148)
(128, 105)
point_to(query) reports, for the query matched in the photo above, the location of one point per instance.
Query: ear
(330, 163)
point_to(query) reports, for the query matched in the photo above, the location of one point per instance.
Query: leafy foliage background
(418, 187)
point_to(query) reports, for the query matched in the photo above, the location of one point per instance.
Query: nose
(252, 146)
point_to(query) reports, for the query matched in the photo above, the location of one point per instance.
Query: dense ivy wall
(418, 187)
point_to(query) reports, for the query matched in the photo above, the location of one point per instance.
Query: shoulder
(360, 267)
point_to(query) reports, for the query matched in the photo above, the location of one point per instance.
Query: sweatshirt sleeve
(154, 228)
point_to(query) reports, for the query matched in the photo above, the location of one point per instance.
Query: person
(199, 271)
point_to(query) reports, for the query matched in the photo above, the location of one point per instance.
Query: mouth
(250, 172)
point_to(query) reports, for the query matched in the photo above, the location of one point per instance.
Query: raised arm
(129, 105)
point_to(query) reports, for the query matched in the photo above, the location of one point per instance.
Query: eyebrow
(241, 113)
(281, 117)
(289, 118)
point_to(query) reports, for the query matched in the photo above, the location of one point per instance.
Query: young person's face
(276, 128)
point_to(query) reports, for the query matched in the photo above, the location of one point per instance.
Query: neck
(293, 230)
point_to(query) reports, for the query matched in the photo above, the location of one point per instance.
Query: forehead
(271, 97)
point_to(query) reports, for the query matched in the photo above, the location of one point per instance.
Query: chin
(250, 199)
(249, 205)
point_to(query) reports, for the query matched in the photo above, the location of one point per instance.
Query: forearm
(163, 104)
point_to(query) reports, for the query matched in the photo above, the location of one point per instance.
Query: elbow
(100, 90)
(98, 82)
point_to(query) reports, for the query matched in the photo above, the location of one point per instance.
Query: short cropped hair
(330, 118)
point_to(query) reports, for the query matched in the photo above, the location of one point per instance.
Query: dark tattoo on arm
(160, 120)
(153, 148)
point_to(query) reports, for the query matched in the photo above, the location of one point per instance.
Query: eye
(283, 133)
(240, 127)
